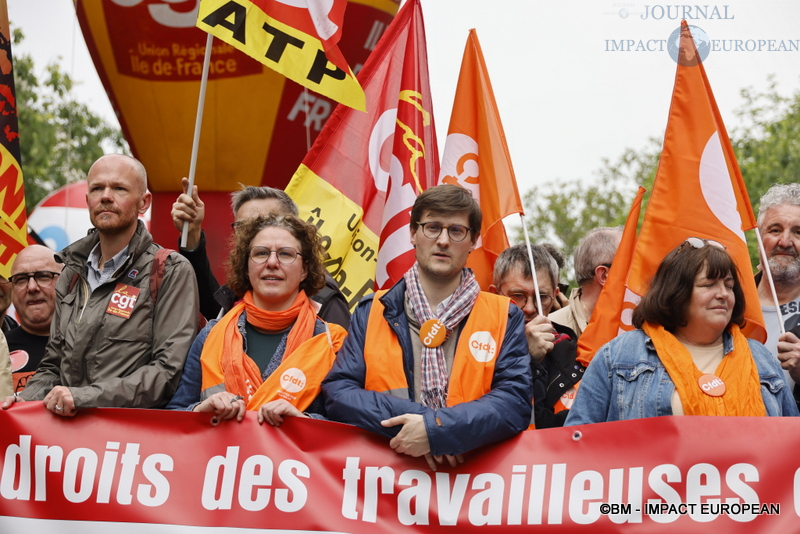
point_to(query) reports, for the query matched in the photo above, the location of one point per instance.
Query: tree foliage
(561, 213)
(766, 141)
(59, 137)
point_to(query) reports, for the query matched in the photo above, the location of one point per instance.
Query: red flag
(13, 219)
(364, 171)
(614, 307)
(476, 157)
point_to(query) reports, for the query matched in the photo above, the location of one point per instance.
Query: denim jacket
(626, 380)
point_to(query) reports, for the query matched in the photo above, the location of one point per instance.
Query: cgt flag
(476, 157)
(13, 220)
(360, 179)
(294, 37)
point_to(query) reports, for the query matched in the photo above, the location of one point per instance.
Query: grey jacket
(110, 361)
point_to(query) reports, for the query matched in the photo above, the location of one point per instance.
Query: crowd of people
(436, 365)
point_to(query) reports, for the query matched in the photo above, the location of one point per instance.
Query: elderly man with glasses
(434, 363)
(552, 347)
(33, 292)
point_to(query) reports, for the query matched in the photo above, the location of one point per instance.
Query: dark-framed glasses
(521, 299)
(285, 255)
(697, 242)
(456, 232)
(4, 282)
(43, 278)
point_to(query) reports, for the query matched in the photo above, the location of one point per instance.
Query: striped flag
(359, 181)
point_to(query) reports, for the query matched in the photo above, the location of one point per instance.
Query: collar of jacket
(76, 255)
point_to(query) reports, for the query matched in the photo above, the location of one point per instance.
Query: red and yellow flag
(294, 37)
(698, 192)
(476, 157)
(361, 177)
(13, 219)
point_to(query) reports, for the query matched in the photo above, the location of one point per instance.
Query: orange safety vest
(476, 352)
(297, 379)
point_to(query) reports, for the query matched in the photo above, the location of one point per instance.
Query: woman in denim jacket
(687, 355)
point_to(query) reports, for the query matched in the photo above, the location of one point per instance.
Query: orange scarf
(737, 370)
(242, 375)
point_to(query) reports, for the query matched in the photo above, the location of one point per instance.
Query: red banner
(115, 468)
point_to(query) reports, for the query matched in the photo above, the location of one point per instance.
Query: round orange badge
(432, 333)
(711, 385)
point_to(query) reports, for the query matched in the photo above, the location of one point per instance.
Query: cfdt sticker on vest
(482, 346)
(293, 380)
(123, 300)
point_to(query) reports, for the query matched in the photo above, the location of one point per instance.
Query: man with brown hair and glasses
(33, 291)
(434, 363)
(552, 347)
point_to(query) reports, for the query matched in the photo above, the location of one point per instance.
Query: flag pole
(768, 274)
(201, 102)
(533, 266)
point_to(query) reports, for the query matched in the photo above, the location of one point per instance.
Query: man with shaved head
(112, 343)
(33, 292)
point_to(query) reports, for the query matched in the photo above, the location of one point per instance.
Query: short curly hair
(310, 250)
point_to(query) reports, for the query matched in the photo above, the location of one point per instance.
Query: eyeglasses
(697, 242)
(4, 282)
(43, 278)
(456, 232)
(285, 255)
(521, 300)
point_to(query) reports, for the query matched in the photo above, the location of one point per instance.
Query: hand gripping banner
(115, 470)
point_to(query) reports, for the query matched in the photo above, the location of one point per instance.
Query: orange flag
(359, 181)
(612, 312)
(699, 190)
(13, 219)
(476, 157)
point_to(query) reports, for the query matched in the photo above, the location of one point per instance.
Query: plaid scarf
(433, 365)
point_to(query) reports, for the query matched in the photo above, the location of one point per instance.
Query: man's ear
(146, 200)
(493, 289)
(601, 274)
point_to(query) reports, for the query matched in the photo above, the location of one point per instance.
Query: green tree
(766, 141)
(561, 213)
(59, 137)
(767, 145)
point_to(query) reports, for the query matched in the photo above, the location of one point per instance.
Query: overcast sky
(567, 99)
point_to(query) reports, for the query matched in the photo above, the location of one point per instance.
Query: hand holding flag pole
(198, 123)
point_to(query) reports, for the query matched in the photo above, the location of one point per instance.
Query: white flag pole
(533, 266)
(201, 101)
(768, 274)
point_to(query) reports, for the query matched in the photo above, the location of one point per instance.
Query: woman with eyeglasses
(271, 351)
(687, 355)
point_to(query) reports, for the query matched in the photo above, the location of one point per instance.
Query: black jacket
(556, 374)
